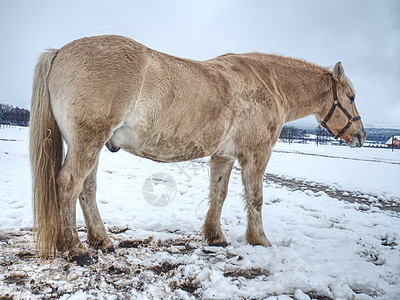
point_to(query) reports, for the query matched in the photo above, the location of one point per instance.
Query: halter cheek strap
(336, 103)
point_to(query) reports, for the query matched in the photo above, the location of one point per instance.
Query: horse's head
(339, 115)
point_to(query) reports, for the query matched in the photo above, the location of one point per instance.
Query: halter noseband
(336, 103)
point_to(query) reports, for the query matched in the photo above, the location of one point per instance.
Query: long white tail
(46, 153)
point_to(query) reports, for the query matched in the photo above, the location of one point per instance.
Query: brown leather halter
(336, 103)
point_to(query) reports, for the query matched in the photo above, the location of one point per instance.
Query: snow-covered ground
(322, 247)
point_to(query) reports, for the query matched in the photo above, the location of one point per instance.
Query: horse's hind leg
(78, 164)
(220, 170)
(253, 167)
(97, 236)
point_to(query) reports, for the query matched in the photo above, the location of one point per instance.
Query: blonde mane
(290, 62)
(350, 83)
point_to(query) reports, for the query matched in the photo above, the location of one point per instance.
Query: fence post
(392, 142)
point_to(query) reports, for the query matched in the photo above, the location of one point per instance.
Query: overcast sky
(363, 34)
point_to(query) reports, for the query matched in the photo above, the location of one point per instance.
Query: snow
(373, 171)
(322, 246)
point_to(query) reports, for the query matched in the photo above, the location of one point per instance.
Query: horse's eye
(352, 98)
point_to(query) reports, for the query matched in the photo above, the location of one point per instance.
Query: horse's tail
(46, 152)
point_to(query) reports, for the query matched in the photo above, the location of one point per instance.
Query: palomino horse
(113, 91)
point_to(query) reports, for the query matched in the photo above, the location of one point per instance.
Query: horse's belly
(158, 146)
(166, 153)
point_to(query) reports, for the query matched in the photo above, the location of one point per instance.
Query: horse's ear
(338, 72)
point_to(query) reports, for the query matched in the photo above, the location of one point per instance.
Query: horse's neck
(303, 94)
(298, 86)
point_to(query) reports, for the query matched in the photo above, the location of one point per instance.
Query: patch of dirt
(135, 243)
(189, 287)
(389, 241)
(117, 229)
(18, 279)
(248, 274)
(25, 253)
(314, 295)
(164, 267)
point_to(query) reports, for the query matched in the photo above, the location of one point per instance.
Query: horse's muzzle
(357, 139)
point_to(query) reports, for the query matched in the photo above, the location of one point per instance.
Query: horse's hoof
(83, 259)
(219, 244)
(109, 250)
(259, 242)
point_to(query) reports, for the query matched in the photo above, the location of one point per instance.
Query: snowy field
(323, 247)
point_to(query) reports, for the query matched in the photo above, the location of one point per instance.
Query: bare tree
(322, 135)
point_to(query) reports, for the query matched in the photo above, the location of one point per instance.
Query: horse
(111, 90)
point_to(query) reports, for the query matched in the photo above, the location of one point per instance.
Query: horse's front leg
(220, 170)
(97, 235)
(253, 167)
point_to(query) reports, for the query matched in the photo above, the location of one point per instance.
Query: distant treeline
(290, 133)
(381, 134)
(11, 115)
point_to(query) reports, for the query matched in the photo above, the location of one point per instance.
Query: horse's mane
(290, 62)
